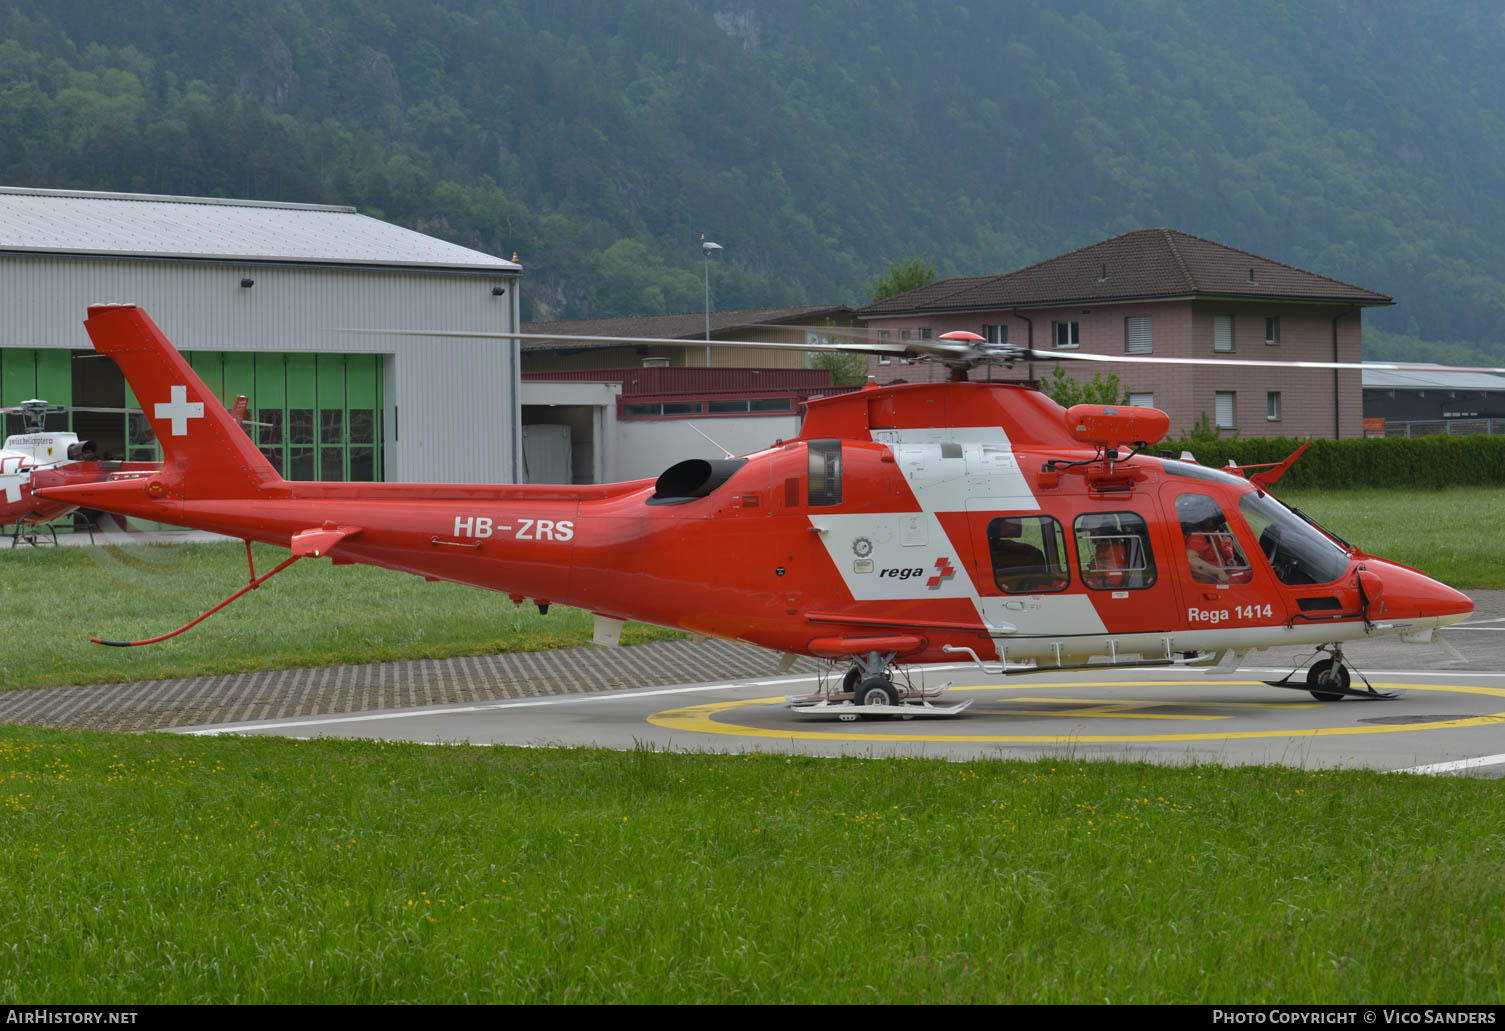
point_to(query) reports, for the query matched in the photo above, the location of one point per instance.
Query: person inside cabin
(1211, 550)
(1109, 566)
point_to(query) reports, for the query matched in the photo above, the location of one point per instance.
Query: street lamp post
(706, 248)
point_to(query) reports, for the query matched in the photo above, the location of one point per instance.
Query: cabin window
(1113, 551)
(1028, 553)
(1212, 551)
(825, 473)
(1297, 551)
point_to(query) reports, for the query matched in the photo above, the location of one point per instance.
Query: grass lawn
(315, 614)
(161, 869)
(312, 614)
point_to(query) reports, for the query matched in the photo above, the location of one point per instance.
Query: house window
(1222, 332)
(1142, 400)
(1272, 330)
(996, 334)
(903, 334)
(925, 333)
(1223, 409)
(1272, 406)
(1066, 334)
(1137, 339)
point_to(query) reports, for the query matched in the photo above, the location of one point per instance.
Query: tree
(1066, 391)
(847, 369)
(901, 278)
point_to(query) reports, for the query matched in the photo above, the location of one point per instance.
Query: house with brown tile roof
(1171, 294)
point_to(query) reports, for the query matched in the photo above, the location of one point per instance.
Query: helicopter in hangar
(63, 459)
(914, 523)
(37, 448)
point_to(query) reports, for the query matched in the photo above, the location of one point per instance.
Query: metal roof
(1426, 379)
(139, 225)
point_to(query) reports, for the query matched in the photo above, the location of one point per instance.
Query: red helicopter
(63, 454)
(906, 524)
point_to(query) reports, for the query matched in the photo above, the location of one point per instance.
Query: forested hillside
(1358, 138)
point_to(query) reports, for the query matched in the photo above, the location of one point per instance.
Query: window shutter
(1223, 409)
(1222, 332)
(1137, 338)
(1142, 400)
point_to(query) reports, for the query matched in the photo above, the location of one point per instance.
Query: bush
(1437, 461)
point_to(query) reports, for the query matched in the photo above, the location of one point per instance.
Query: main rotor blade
(892, 347)
(1140, 359)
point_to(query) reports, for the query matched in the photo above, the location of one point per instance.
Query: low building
(793, 326)
(1165, 293)
(601, 410)
(1422, 402)
(282, 303)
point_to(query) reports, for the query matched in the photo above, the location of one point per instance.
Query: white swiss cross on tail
(179, 410)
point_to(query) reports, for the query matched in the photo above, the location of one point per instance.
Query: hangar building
(262, 298)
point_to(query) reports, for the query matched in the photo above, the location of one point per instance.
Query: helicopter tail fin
(206, 453)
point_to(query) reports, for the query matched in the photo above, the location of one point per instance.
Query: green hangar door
(319, 415)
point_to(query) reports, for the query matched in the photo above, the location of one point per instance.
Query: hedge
(1436, 461)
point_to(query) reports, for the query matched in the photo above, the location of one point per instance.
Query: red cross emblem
(944, 571)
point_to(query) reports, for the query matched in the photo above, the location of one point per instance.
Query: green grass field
(159, 869)
(314, 614)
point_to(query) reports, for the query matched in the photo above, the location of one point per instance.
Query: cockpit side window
(1297, 551)
(1113, 551)
(1212, 549)
(1028, 553)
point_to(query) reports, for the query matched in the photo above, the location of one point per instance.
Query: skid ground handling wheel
(867, 691)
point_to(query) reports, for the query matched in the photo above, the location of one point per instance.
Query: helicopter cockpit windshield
(1299, 553)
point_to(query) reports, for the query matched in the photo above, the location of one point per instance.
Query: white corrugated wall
(452, 404)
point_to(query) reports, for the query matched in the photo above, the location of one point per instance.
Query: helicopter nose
(1410, 594)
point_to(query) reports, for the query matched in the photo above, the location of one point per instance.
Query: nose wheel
(1327, 673)
(1327, 679)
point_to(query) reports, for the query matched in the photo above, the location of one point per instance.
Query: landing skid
(1327, 680)
(867, 691)
(847, 712)
(35, 534)
(1368, 694)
